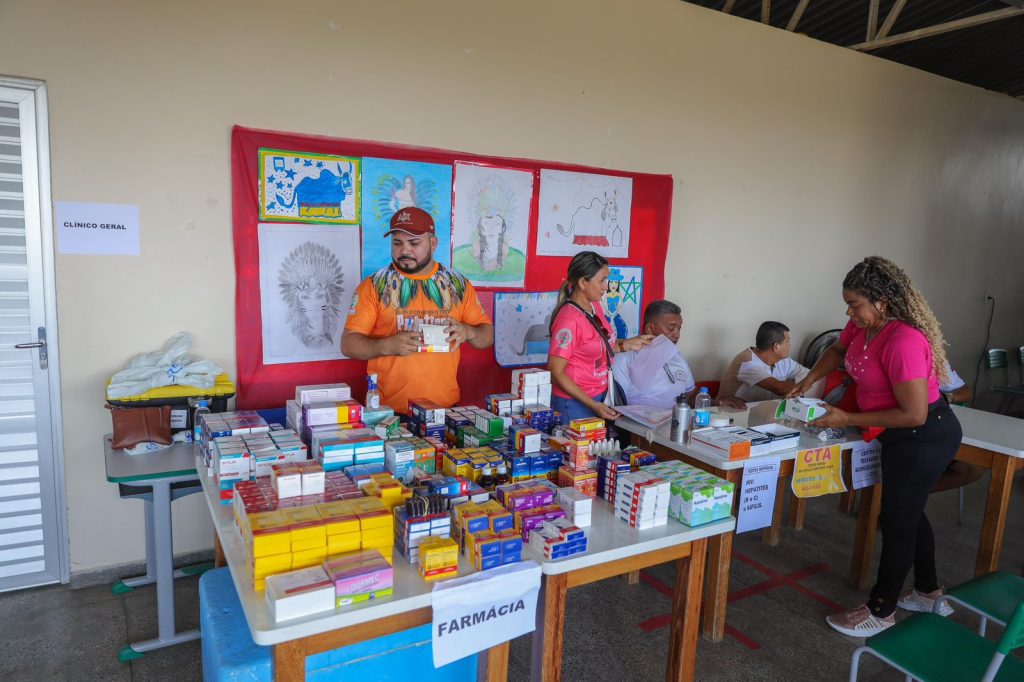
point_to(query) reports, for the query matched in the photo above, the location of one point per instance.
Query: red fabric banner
(268, 386)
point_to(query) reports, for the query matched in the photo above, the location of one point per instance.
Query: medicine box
(299, 593)
(804, 409)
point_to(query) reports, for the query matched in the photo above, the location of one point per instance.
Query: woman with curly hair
(893, 349)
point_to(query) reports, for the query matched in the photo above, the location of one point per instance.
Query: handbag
(134, 425)
(609, 394)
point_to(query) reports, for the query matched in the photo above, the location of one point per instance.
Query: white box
(529, 395)
(313, 480)
(286, 483)
(783, 437)
(544, 394)
(322, 393)
(299, 593)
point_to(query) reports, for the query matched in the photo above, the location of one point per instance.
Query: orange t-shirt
(388, 293)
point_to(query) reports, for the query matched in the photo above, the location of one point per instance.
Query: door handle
(40, 344)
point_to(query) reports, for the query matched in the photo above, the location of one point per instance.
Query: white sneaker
(924, 602)
(860, 622)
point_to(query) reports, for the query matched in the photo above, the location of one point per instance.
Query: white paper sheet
(97, 229)
(650, 361)
(584, 212)
(866, 464)
(484, 609)
(757, 494)
(647, 415)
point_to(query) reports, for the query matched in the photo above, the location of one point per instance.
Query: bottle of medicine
(200, 407)
(502, 477)
(372, 396)
(486, 481)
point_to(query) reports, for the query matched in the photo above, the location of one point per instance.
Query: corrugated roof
(989, 55)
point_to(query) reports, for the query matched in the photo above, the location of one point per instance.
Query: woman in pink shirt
(582, 342)
(893, 348)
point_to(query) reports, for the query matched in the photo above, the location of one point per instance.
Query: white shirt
(659, 389)
(746, 370)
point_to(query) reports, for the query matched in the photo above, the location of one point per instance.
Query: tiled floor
(614, 631)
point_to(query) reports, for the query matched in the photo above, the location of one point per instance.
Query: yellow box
(338, 518)
(383, 544)
(309, 557)
(375, 534)
(437, 553)
(345, 542)
(362, 505)
(268, 534)
(381, 518)
(259, 584)
(269, 565)
(307, 528)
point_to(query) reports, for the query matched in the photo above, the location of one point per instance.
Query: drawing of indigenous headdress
(494, 195)
(312, 268)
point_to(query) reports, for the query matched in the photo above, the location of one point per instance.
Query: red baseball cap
(411, 220)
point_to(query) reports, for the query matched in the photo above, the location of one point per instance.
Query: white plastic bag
(172, 365)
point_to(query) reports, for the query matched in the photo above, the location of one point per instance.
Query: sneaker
(912, 600)
(860, 622)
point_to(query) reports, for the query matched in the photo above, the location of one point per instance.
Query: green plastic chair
(991, 596)
(1020, 362)
(931, 648)
(997, 358)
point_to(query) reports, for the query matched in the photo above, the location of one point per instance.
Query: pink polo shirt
(576, 340)
(899, 353)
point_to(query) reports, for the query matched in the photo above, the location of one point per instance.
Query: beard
(411, 266)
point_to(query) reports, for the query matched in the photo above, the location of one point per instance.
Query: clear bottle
(372, 395)
(200, 407)
(702, 409)
(486, 481)
(502, 477)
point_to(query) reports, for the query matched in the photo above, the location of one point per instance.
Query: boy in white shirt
(765, 371)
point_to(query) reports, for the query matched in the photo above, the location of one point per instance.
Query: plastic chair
(991, 596)
(929, 648)
(1020, 363)
(995, 359)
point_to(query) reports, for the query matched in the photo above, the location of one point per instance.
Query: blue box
(489, 562)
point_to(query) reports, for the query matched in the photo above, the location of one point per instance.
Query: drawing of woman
(613, 298)
(404, 196)
(489, 244)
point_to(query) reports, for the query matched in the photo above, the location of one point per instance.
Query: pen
(669, 373)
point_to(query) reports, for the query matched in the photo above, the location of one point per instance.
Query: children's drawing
(622, 299)
(308, 188)
(307, 277)
(521, 322)
(584, 212)
(492, 222)
(389, 186)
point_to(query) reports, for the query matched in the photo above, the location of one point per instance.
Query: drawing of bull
(596, 223)
(323, 196)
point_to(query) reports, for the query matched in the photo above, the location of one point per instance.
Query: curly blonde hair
(879, 279)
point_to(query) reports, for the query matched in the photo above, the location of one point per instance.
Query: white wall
(793, 159)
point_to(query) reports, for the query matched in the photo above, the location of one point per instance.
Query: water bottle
(372, 395)
(680, 419)
(702, 409)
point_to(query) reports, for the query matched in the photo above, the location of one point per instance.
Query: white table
(720, 546)
(168, 474)
(293, 640)
(991, 441)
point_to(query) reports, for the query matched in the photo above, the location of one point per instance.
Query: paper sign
(483, 610)
(97, 229)
(866, 464)
(818, 471)
(757, 498)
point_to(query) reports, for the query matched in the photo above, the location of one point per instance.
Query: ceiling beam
(890, 19)
(729, 4)
(938, 29)
(798, 14)
(766, 10)
(872, 20)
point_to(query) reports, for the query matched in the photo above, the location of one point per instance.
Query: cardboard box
(804, 409)
(299, 593)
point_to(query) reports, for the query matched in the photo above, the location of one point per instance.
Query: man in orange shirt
(412, 290)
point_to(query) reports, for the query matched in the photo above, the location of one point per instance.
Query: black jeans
(912, 460)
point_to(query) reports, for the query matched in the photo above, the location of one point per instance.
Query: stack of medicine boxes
(532, 386)
(426, 418)
(642, 500)
(575, 441)
(338, 450)
(696, 496)
(305, 395)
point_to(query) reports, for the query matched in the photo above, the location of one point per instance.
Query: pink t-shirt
(899, 353)
(576, 340)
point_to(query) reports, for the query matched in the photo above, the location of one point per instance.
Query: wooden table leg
(218, 552)
(290, 661)
(864, 539)
(993, 524)
(773, 533)
(493, 665)
(797, 511)
(717, 592)
(546, 664)
(633, 578)
(682, 638)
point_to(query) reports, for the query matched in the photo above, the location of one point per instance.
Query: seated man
(660, 389)
(956, 390)
(764, 372)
